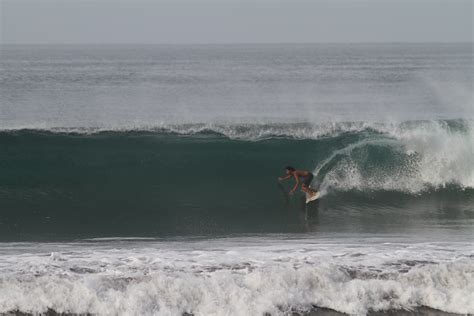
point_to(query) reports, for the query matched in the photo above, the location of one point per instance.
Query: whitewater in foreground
(238, 276)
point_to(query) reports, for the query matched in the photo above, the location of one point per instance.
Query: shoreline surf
(277, 275)
(316, 311)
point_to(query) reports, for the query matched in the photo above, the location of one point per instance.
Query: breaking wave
(238, 277)
(64, 180)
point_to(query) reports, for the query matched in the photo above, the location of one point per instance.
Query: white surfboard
(310, 198)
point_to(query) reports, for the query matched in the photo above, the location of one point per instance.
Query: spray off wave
(413, 157)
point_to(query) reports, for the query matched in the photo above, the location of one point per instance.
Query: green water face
(159, 184)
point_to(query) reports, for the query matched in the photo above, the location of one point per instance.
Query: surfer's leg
(305, 186)
(304, 189)
(307, 189)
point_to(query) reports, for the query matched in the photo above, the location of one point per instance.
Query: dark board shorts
(308, 179)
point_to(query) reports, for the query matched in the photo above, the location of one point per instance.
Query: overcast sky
(235, 21)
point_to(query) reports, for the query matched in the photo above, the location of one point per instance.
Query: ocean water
(142, 179)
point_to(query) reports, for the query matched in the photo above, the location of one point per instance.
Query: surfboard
(310, 198)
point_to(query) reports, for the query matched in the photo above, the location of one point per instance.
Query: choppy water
(179, 148)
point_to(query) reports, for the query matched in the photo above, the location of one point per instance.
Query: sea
(143, 179)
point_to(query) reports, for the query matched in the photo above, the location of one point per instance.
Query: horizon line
(238, 43)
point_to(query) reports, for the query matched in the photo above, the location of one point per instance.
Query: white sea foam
(249, 276)
(433, 155)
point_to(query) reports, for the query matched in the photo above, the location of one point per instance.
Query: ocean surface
(142, 179)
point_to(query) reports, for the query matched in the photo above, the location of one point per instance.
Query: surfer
(298, 174)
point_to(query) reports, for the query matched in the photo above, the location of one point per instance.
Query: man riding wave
(299, 175)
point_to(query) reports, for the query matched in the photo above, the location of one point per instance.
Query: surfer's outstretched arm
(285, 177)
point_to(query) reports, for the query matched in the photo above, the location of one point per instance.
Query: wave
(202, 173)
(431, 154)
(254, 131)
(235, 293)
(211, 278)
(413, 157)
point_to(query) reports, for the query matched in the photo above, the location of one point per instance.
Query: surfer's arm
(284, 178)
(296, 184)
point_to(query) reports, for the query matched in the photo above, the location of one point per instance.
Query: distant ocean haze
(141, 86)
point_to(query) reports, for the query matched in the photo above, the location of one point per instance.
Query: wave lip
(238, 131)
(413, 157)
(261, 130)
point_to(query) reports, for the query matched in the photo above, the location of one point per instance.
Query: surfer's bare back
(304, 175)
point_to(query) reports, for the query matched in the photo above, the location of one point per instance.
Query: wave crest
(408, 157)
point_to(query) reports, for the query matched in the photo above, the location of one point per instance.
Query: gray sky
(235, 21)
